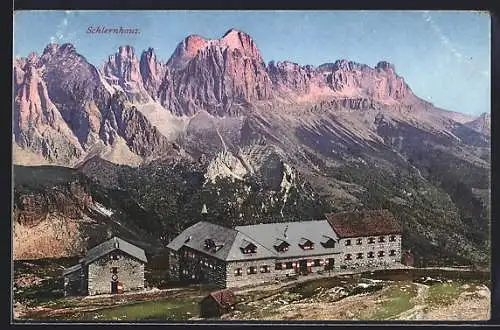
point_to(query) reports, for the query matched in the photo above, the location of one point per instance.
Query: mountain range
(154, 141)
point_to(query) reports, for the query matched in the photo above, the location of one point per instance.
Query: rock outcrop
(481, 124)
(123, 69)
(219, 76)
(152, 72)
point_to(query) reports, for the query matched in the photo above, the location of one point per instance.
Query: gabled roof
(230, 239)
(223, 297)
(111, 245)
(273, 234)
(364, 223)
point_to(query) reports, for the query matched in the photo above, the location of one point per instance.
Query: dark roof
(72, 269)
(231, 240)
(364, 223)
(111, 245)
(223, 297)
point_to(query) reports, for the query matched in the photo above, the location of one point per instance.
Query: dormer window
(187, 239)
(209, 244)
(247, 247)
(306, 244)
(281, 245)
(328, 242)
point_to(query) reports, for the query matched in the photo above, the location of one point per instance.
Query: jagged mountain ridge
(224, 76)
(357, 136)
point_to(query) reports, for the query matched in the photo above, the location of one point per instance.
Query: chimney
(284, 232)
(204, 209)
(116, 244)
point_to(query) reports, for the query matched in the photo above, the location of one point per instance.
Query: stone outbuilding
(217, 303)
(114, 266)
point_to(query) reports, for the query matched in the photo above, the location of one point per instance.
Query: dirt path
(417, 312)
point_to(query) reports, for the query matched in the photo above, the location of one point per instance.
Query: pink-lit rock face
(152, 72)
(235, 39)
(193, 43)
(380, 83)
(215, 75)
(38, 124)
(62, 95)
(296, 82)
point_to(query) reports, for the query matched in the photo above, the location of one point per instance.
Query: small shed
(217, 303)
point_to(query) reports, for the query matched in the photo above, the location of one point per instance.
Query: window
(306, 244)
(330, 243)
(392, 253)
(278, 266)
(348, 242)
(289, 265)
(114, 270)
(248, 247)
(317, 262)
(114, 257)
(380, 253)
(359, 241)
(238, 272)
(281, 246)
(265, 269)
(252, 270)
(371, 240)
(370, 255)
(359, 256)
(392, 238)
(209, 244)
(381, 239)
(348, 256)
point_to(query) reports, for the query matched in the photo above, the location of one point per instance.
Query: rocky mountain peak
(235, 39)
(217, 75)
(126, 51)
(152, 72)
(186, 50)
(123, 69)
(386, 66)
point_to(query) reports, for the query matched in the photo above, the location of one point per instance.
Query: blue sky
(443, 56)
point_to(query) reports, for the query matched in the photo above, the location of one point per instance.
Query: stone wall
(310, 259)
(233, 280)
(173, 265)
(365, 247)
(130, 273)
(200, 267)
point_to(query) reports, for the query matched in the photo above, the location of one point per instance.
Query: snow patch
(225, 165)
